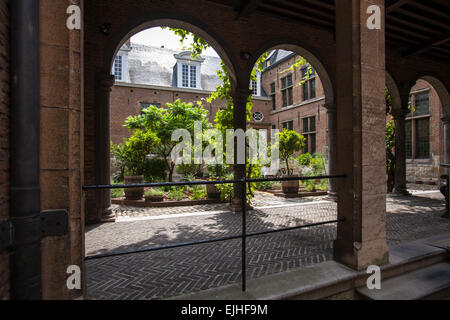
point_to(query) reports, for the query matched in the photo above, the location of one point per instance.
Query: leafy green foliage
(153, 192)
(131, 155)
(176, 193)
(288, 143)
(164, 121)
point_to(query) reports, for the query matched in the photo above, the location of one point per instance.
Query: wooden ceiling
(413, 27)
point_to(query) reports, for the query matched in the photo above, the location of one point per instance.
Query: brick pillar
(240, 97)
(361, 121)
(103, 145)
(400, 151)
(332, 151)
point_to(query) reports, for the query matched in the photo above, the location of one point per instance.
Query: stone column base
(332, 195)
(401, 192)
(236, 206)
(363, 254)
(108, 216)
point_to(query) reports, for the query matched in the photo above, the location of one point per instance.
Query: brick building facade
(4, 141)
(290, 101)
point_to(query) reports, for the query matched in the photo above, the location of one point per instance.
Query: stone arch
(442, 92)
(168, 20)
(312, 57)
(99, 208)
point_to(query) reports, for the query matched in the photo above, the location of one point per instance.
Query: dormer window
(188, 70)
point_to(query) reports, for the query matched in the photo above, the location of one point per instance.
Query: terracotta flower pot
(134, 193)
(290, 188)
(212, 191)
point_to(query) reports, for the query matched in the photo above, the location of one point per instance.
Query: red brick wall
(4, 141)
(312, 107)
(126, 101)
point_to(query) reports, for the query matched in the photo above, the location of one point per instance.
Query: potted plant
(131, 156)
(289, 142)
(154, 195)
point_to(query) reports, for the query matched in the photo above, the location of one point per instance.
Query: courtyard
(178, 271)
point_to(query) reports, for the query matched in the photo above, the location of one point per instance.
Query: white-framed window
(255, 86)
(118, 68)
(188, 76)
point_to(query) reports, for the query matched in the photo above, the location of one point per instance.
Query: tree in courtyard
(164, 121)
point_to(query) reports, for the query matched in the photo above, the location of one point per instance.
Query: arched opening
(426, 134)
(302, 98)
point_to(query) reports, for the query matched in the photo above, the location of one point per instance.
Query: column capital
(241, 93)
(106, 82)
(331, 107)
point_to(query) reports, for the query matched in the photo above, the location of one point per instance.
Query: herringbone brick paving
(172, 272)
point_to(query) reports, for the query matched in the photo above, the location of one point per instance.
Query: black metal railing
(244, 234)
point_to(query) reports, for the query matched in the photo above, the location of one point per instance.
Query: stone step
(414, 285)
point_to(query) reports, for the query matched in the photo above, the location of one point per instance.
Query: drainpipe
(24, 139)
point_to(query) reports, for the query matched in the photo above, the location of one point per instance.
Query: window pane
(305, 125)
(185, 76)
(305, 91)
(422, 104)
(254, 88)
(118, 68)
(289, 80)
(423, 138)
(274, 103)
(304, 72)
(408, 139)
(291, 125)
(312, 85)
(283, 83)
(272, 87)
(284, 98)
(291, 101)
(193, 77)
(312, 124)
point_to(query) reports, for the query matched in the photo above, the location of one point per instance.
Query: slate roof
(150, 65)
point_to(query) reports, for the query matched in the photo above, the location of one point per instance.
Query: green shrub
(264, 185)
(176, 193)
(117, 193)
(151, 192)
(198, 193)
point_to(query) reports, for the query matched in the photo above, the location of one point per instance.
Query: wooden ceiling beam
(429, 45)
(299, 6)
(396, 5)
(274, 8)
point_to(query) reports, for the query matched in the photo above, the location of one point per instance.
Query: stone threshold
(329, 279)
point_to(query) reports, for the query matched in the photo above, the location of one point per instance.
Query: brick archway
(99, 204)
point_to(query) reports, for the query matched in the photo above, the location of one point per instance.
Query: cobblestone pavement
(172, 272)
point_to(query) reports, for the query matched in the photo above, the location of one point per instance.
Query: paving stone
(173, 272)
